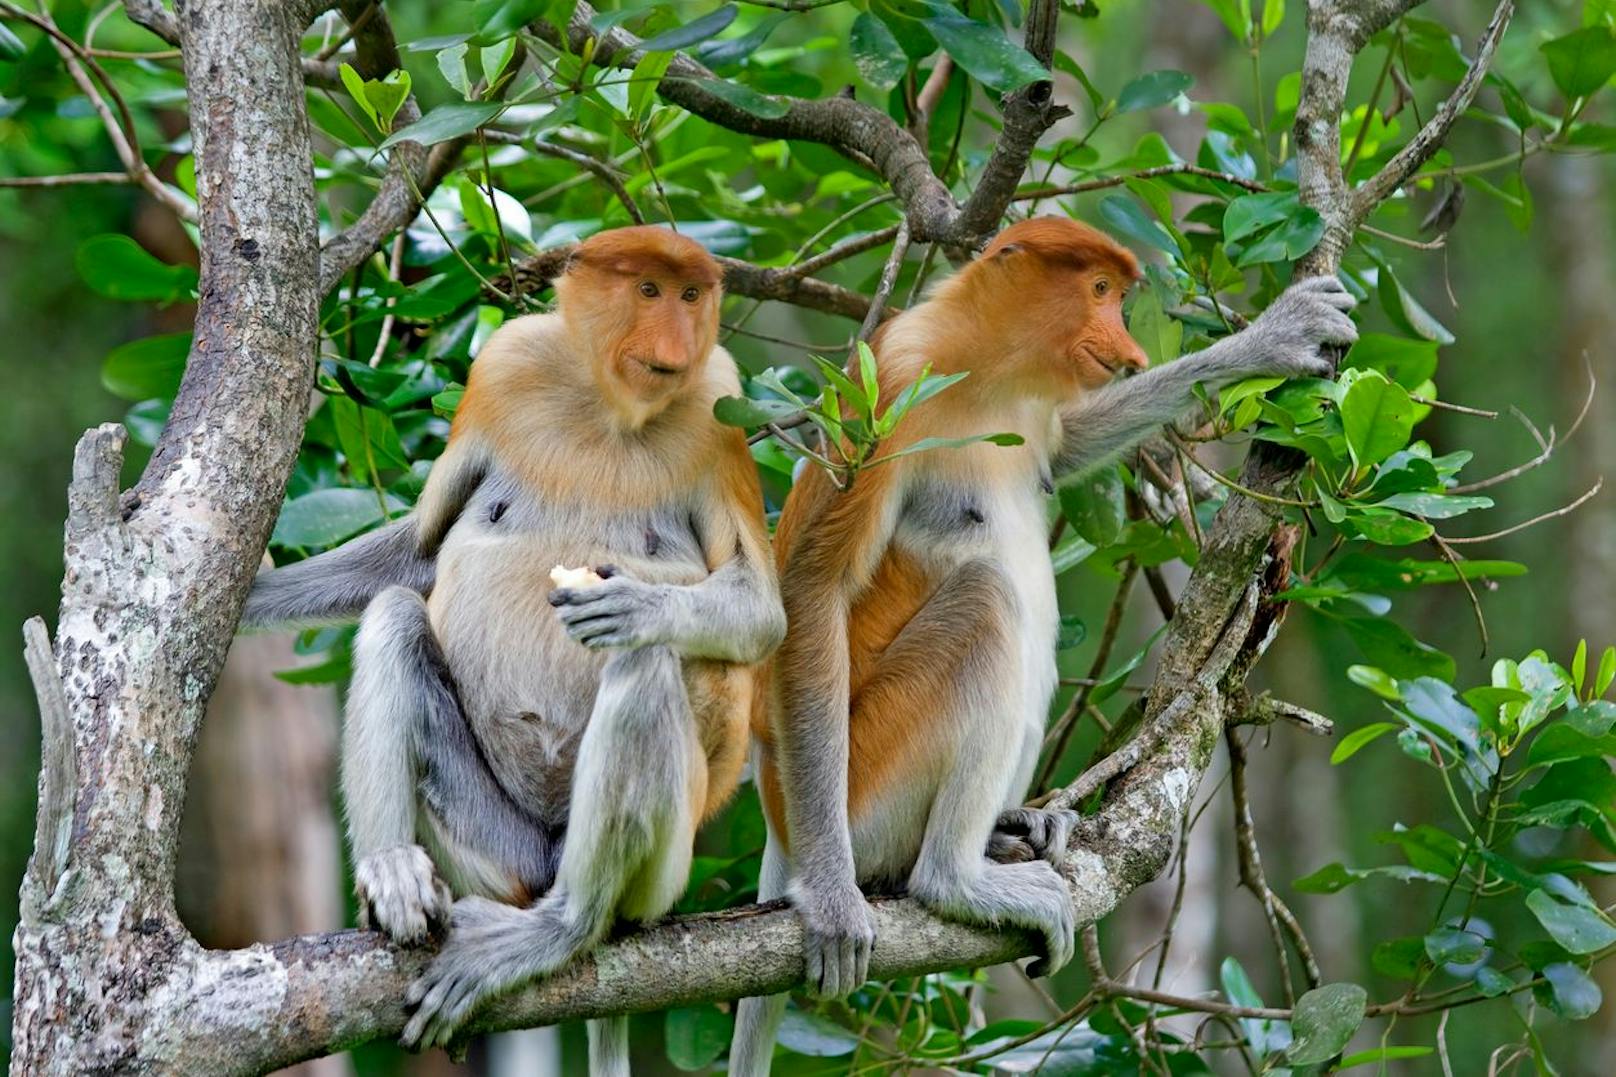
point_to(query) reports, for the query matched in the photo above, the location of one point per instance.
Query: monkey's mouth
(661, 370)
(1110, 366)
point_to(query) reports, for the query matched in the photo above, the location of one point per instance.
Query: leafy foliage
(1523, 761)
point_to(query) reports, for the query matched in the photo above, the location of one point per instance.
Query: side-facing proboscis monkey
(499, 715)
(904, 712)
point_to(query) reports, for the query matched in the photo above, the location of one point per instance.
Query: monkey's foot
(491, 948)
(1032, 834)
(400, 894)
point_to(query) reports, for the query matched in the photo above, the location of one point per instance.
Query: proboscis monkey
(904, 712)
(500, 714)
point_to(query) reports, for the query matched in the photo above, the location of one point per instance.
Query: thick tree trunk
(154, 581)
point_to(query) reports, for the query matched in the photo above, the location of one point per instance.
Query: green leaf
(1492, 983)
(1579, 929)
(696, 1035)
(1579, 666)
(1410, 363)
(1072, 632)
(1160, 334)
(1251, 213)
(1454, 946)
(709, 25)
(151, 366)
(497, 19)
(1149, 91)
(1236, 15)
(1337, 876)
(876, 53)
(1583, 60)
(1358, 738)
(452, 65)
(326, 517)
(815, 1036)
(1126, 217)
(119, 268)
(1388, 645)
(11, 46)
(1607, 671)
(1434, 506)
(355, 84)
(1571, 993)
(1401, 306)
(1377, 681)
(1381, 1054)
(927, 444)
(745, 98)
(1377, 417)
(748, 412)
(445, 122)
(1390, 530)
(1094, 505)
(1264, 1036)
(1292, 239)
(494, 59)
(1399, 959)
(731, 51)
(983, 51)
(1323, 1021)
(387, 95)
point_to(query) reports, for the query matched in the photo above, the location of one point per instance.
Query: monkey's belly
(526, 688)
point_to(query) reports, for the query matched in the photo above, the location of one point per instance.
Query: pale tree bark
(107, 977)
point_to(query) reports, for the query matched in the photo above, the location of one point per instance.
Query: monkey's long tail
(337, 585)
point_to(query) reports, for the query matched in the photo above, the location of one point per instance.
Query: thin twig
(1250, 859)
(1546, 446)
(1147, 173)
(1061, 733)
(889, 280)
(1523, 525)
(1452, 557)
(394, 269)
(68, 179)
(1481, 413)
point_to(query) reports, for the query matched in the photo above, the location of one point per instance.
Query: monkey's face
(668, 328)
(1099, 346)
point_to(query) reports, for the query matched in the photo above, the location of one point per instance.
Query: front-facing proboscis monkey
(500, 713)
(903, 714)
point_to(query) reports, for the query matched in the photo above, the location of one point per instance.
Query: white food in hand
(562, 576)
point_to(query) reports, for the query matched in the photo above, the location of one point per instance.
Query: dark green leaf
(696, 1035)
(1434, 506)
(1571, 993)
(1124, 215)
(816, 1036)
(876, 52)
(746, 412)
(1492, 983)
(1593, 719)
(326, 517)
(983, 51)
(11, 46)
(1400, 959)
(735, 49)
(1149, 91)
(1251, 213)
(152, 366)
(1389, 646)
(446, 122)
(1390, 529)
(1401, 306)
(1579, 929)
(1454, 946)
(1333, 877)
(709, 25)
(1094, 505)
(1323, 1021)
(1072, 632)
(1583, 60)
(119, 268)
(1410, 363)
(145, 421)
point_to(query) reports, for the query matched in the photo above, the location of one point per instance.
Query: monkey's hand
(1287, 339)
(401, 895)
(1032, 834)
(480, 959)
(617, 612)
(838, 933)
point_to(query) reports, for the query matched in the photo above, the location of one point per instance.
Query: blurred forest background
(1536, 300)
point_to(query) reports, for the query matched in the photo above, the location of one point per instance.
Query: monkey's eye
(1102, 287)
(691, 294)
(649, 289)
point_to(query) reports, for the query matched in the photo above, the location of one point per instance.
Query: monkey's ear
(1007, 249)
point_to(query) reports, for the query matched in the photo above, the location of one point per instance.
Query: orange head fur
(1047, 295)
(643, 302)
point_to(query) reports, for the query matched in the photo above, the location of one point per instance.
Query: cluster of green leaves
(847, 414)
(1525, 763)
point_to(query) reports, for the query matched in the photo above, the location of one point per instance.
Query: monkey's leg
(758, 1019)
(637, 790)
(404, 736)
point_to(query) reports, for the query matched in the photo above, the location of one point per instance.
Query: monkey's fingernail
(559, 597)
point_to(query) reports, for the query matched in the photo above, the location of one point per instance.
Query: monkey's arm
(1284, 341)
(732, 615)
(337, 585)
